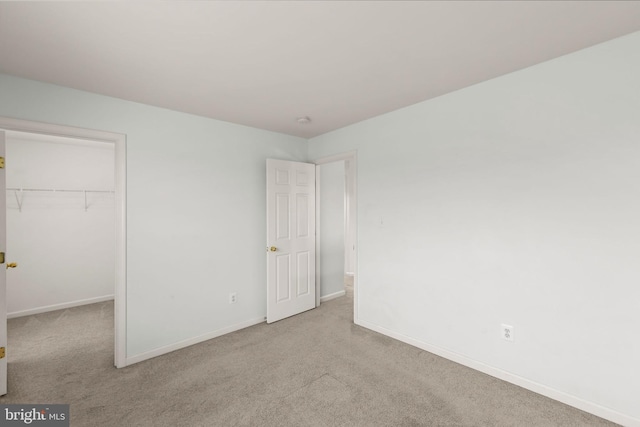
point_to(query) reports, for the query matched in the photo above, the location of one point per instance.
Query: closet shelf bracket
(19, 198)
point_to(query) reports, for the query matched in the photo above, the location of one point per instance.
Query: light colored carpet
(315, 369)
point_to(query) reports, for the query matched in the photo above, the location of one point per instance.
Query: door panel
(290, 238)
(302, 215)
(283, 278)
(3, 275)
(303, 273)
(282, 216)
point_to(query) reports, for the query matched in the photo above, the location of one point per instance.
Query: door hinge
(1, 162)
(2, 352)
(1, 257)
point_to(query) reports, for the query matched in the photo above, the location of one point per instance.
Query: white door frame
(119, 141)
(3, 275)
(352, 158)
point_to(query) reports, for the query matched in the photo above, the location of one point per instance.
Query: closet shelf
(21, 191)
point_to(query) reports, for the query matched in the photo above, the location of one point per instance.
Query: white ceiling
(263, 64)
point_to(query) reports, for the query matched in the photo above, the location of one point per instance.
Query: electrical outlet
(507, 332)
(233, 298)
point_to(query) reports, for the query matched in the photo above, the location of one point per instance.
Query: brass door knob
(12, 265)
(273, 249)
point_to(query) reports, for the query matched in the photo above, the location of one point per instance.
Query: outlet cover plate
(507, 332)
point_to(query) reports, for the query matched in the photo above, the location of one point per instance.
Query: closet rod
(19, 199)
(53, 190)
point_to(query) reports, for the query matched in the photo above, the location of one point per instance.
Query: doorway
(336, 242)
(60, 222)
(119, 189)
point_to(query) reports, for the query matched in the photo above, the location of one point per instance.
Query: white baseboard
(191, 341)
(55, 307)
(333, 296)
(576, 402)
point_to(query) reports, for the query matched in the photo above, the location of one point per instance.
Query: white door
(291, 238)
(3, 276)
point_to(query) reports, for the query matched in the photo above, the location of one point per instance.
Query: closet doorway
(51, 184)
(60, 222)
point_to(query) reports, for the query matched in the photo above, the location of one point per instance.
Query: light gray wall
(196, 228)
(332, 189)
(513, 201)
(65, 254)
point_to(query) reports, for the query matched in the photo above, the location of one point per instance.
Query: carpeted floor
(315, 369)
